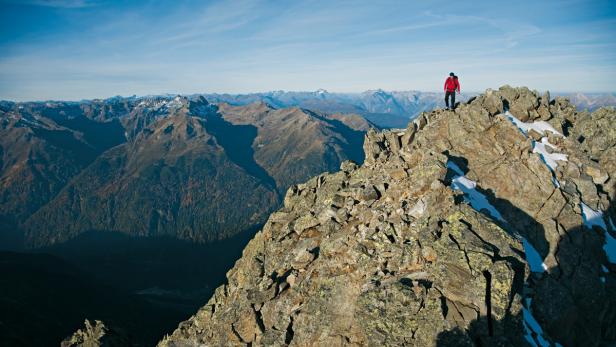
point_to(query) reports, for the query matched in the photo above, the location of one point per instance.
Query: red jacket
(452, 84)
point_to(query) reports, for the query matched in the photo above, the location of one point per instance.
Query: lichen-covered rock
(388, 253)
(96, 335)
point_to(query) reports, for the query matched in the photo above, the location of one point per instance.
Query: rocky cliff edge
(489, 225)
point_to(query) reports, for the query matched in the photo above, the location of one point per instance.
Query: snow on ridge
(175, 103)
(531, 325)
(455, 168)
(592, 217)
(533, 332)
(33, 122)
(595, 218)
(550, 159)
(533, 258)
(479, 202)
(539, 126)
(610, 248)
(544, 148)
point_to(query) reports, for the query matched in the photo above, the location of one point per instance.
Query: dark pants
(453, 98)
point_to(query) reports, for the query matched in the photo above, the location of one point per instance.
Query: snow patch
(592, 217)
(455, 168)
(175, 103)
(540, 126)
(34, 122)
(534, 333)
(477, 200)
(550, 159)
(605, 270)
(533, 258)
(532, 326)
(595, 218)
(610, 248)
(480, 203)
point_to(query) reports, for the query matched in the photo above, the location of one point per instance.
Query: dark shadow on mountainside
(237, 141)
(574, 303)
(139, 285)
(354, 147)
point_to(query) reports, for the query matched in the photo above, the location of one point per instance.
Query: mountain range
(149, 200)
(160, 166)
(387, 109)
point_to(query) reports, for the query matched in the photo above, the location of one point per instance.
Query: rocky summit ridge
(490, 225)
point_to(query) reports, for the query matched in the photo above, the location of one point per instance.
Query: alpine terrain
(387, 109)
(490, 225)
(160, 166)
(147, 200)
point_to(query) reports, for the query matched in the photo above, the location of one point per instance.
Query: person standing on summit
(451, 85)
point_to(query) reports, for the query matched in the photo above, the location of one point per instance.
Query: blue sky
(74, 49)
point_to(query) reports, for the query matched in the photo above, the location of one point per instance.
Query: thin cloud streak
(252, 45)
(52, 3)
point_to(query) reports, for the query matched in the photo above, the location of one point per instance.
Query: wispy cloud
(412, 27)
(513, 31)
(53, 3)
(246, 45)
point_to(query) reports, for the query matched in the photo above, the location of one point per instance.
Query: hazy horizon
(553, 93)
(86, 49)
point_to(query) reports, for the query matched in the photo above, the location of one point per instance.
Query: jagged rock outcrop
(388, 253)
(95, 335)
